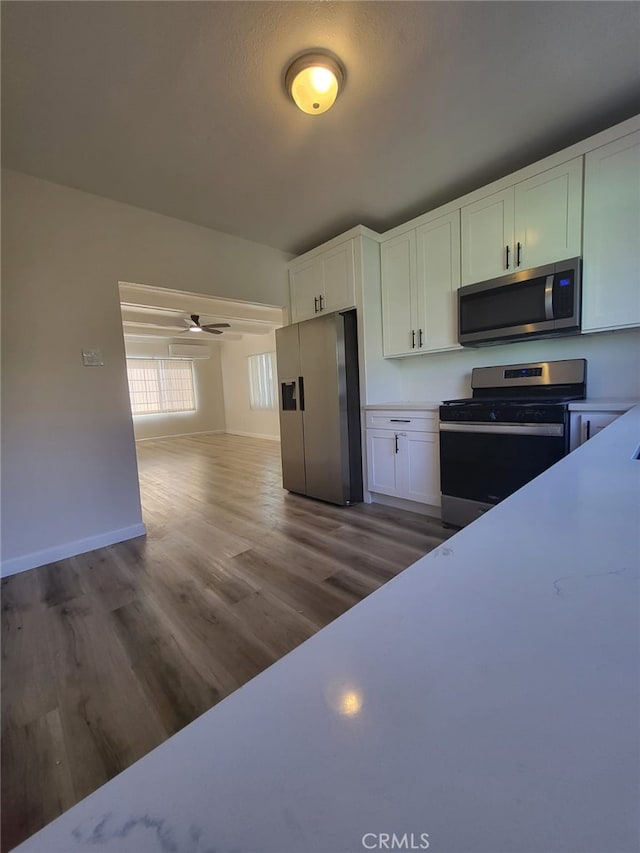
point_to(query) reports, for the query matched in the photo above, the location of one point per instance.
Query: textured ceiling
(179, 107)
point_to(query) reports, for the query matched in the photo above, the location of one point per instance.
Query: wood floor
(106, 655)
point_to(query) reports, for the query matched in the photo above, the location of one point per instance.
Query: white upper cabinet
(487, 237)
(322, 283)
(438, 277)
(611, 267)
(536, 221)
(399, 299)
(306, 286)
(338, 278)
(548, 216)
(420, 280)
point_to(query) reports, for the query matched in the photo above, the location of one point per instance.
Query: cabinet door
(591, 423)
(487, 237)
(548, 216)
(611, 260)
(398, 259)
(438, 280)
(418, 461)
(306, 287)
(338, 280)
(381, 461)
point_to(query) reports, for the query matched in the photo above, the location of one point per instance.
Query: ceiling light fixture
(313, 81)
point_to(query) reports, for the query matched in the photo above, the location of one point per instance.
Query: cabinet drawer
(404, 421)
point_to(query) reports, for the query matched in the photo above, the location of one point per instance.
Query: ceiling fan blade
(211, 331)
(208, 326)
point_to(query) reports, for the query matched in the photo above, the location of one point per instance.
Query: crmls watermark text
(394, 841)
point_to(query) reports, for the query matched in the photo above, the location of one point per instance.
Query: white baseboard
(410, 506)
(182, 434)
(253, 435)
(69, 549)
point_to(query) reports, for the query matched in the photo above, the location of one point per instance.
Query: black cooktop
(486, 410)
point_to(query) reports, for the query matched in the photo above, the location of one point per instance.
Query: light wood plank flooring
(107, 654)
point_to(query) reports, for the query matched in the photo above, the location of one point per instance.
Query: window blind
(161, 385)
(262, 381)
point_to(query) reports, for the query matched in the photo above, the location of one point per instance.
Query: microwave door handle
(548, 297)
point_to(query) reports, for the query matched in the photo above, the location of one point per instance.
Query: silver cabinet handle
(321, 302)
(315, 304)
(400, 420)
(420, 338)
(506, 263)
(413, 339)
(396, 438)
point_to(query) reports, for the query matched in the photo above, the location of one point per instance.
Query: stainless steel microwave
(532, 303)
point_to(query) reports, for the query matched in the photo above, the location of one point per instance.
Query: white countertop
(487, 696)
(604, 404)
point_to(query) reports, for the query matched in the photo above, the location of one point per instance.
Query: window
(262, 381)
(160, 385)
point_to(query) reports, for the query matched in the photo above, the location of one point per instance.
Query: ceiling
(179, 107)
(153, 313)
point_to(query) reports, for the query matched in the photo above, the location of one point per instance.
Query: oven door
(486, 463)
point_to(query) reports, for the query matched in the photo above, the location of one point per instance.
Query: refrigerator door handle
(301, 392)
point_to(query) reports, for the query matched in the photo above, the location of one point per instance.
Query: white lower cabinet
(382, 466)
(419, 463)
(584, 425)
(403, 455)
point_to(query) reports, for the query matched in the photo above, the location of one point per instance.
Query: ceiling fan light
(194, 329)
(313, 82)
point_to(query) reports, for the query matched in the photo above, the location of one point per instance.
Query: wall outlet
(92, 358)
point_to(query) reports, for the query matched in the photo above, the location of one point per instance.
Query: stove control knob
(493, 416)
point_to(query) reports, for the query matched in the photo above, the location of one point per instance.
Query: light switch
(92, 358)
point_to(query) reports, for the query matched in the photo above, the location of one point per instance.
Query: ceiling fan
(212, 328)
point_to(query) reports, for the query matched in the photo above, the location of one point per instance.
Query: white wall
(613, 365)
(239, 417)
(69, 478)
(207, 380)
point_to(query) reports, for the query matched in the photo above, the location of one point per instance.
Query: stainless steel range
(515, 426)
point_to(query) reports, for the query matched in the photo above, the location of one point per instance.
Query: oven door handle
(549, 430)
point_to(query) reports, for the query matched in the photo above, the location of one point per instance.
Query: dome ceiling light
(313, 81)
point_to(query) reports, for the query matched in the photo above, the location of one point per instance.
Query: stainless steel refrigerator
(320, 408)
